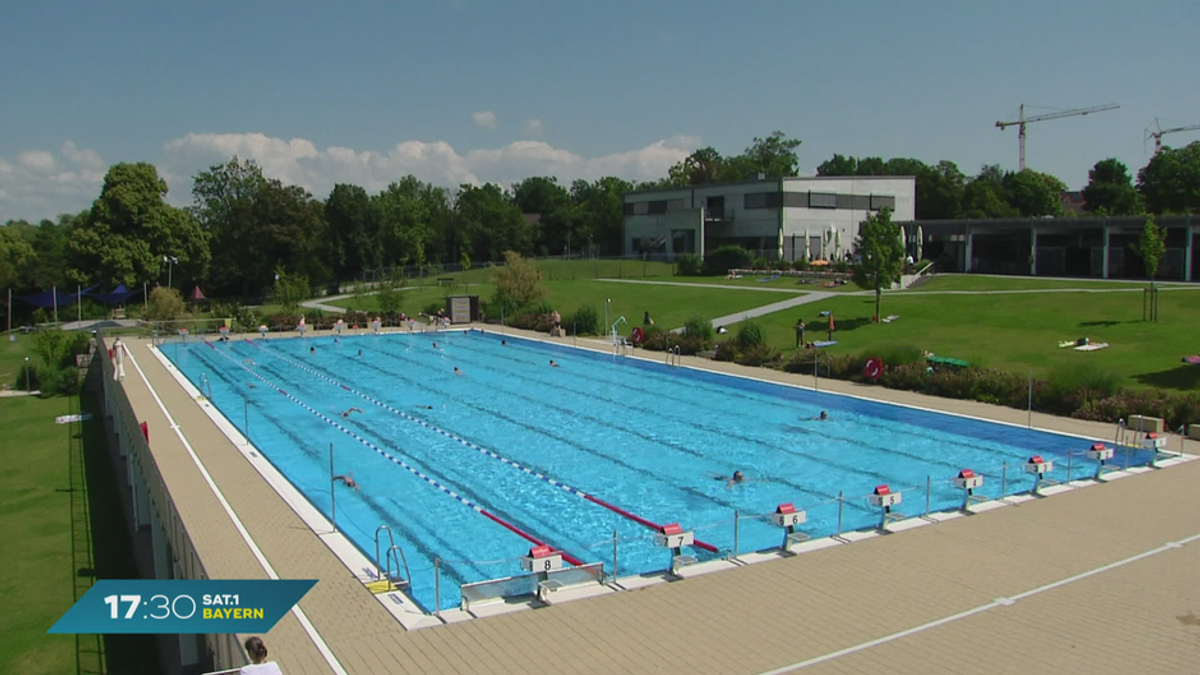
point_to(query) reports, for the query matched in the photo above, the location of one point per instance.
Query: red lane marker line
(648, 523)
(566, 556)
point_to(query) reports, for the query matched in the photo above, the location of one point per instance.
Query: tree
(1033, 194)
(518, 283)
(165, 304)
(774, 156)
(353, 231)
(703, 166)
(17, 259)
(939, 189)
(130, 229)
(881, 252)
(838, 165)
(1151, 246)
(1110, 190)
(600, 206)
(983, 196)
(560, 217)
(490, 223)
(1170, 183)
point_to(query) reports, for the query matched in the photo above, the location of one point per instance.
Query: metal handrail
(379, 559)
(206, 384)
(405, 580)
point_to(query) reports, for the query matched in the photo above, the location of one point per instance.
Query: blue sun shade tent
(118, 297)
(46, 299)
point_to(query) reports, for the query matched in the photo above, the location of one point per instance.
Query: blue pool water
(654, 440)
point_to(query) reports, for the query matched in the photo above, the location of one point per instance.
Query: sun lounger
(824, 343)
(1092, 347)
(891, 318)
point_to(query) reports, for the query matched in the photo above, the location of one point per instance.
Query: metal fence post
(437, 587)
(841, 500)
(1070, 454)
(332, 492)
(928, 492)
(1004, 480)
(735, 533)
(614, 555)
(1127, 451)
(1030, 421)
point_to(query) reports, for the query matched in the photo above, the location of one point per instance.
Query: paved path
(728, 287)
(334, 309)
(1034, 587)
(817, 296)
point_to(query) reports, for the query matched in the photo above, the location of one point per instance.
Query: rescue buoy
(874, 368)
(638, 335)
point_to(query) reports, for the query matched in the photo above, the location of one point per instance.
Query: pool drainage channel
(490, 453)
(399, 462)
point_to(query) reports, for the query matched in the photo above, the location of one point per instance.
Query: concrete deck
(864, 599)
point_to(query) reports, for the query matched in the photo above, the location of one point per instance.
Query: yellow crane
(1157, 135)
(1022, 120)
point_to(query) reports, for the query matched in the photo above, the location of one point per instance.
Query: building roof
(1073, 203)
(707, 186)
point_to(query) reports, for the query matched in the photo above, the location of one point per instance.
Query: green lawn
(970, 282)
(59, 508)
(1018, 332)
(669, 306)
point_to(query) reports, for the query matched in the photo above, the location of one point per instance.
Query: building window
(763, 200)
(675, 205)
(795, 200)
(853, 202)
(683, 241)
(657, 208)
(627, 209)
(882, 201)
(822, 200)
(641, 208)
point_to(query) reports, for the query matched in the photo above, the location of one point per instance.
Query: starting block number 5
(890, 499)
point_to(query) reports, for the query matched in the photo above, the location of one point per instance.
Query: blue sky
(366, 92)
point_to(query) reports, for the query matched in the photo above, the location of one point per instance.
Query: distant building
(1100, 247)
(813, 218)
(1073, 203)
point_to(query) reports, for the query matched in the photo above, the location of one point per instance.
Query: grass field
(1018, 332)
(59, 507)
(669, 306)
(970, 282)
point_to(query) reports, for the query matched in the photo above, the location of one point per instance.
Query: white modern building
(814, 218)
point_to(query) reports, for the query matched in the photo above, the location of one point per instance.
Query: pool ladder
(673, 354)
(205, 385)
(385, 580)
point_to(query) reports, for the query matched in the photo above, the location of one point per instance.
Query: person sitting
(737, 478)
(646, 320)
(259, 665)
(351, 410)
(348, 479)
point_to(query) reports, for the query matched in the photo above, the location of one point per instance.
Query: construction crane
(1022, 120)
(1157, 135)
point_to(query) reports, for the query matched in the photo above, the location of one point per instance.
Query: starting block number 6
(789, 519)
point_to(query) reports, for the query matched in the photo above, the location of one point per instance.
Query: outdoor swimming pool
(458, 479)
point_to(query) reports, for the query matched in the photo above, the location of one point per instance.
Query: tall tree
(353, 231)
(490, 222)
(1110, 190)
(774, 156)
(17, 259)
(600, 205)
(1033, 194)
(560, 218)
(224, 204)
(838, 165)
(703, 166)
(984, 196)
(881, 251)
(1170, 183)
(131, 228)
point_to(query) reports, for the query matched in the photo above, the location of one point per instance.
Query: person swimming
(435, 346)
(819, 418)
(457, 371)
(249, 362)
(348, 479)
(360, 352)
(553, 364)
(425, 407)
(312, 350)
(347, 413)
(737, 478)
(503, 343)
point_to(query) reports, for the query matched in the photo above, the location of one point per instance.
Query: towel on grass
(891, 318)
(1092, 347)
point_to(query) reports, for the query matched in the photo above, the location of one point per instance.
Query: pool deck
(1043, 585)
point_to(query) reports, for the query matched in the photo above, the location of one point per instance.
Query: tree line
(244, 230)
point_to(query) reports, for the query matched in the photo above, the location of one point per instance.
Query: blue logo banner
(178, 606)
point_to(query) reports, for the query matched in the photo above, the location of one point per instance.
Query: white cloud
(485, 119)
(40, 185)
(533, 128)
(300, 162)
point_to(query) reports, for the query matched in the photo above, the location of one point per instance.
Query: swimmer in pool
(351, 410)
(348, 479)
(457, 371)
(360, 352)
(503, 343)
(249, 362)
(553, 364)
(425, 407)
(737, 478)
(435, 346)
(312, 350)
(819, 418)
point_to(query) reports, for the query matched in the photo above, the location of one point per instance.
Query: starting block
(542, 560)
(1039, 468)
(1154, 443)
(787, 517)
(885, 499)
(262, 331)
(673, 537)
(224, 332)
(1101, 454)
(968, 481)
(183, 333)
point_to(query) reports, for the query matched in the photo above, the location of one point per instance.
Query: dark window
(683, 241)
(715, 206)
(675, 205)
(822, 200)
(795, 200)
(859, 202)
(882, 201)
(774, 200)
(628, 209)
(657, 208)
(640, 208)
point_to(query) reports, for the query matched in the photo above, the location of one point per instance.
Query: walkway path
(334, 309)
(817, 296)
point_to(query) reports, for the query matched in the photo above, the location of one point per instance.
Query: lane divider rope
(401, 463)
(466, 443)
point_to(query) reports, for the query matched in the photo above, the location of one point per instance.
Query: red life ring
(638, 335)
(874, 368)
